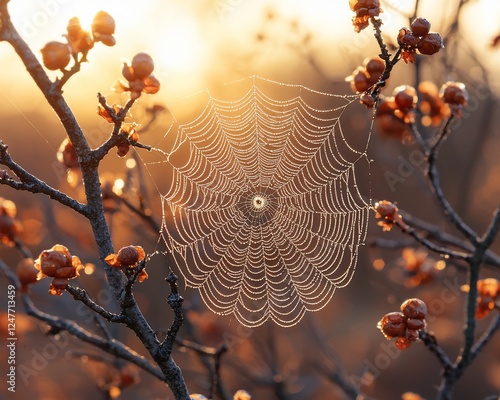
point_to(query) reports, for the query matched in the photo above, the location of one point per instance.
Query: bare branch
(32, 184)
(81, 295)
(433, 176)
(431, 343)
(175, 302)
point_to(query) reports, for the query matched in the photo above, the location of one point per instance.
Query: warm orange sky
(196, 44)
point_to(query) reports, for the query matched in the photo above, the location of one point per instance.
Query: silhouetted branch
(81, 295)
(431, 343)
(175, 302)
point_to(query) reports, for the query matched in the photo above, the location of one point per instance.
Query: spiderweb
(263, 213)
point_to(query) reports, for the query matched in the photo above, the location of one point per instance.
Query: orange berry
(103, 24)
(143, 65)
(27, 273)
(56, 55)
(66, 155)
(403, 343)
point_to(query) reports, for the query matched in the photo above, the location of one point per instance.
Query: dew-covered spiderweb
(263, 213)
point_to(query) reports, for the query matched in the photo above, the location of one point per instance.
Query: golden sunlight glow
(118, 185)
(181, 48)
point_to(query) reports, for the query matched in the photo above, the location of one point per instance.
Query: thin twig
(31, 183)
(442, 251)
(175, 302)
(81, 295)
(433, 177)
(431, 343)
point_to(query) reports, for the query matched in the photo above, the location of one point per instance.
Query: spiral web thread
(263, 214)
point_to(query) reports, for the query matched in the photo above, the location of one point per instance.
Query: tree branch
(34, 185)
(81, 295)
(433, 176)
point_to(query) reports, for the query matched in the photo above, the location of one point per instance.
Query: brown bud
(403, 343)
(130, 255)
(392, 325)
(122, 149)
(151, 85)
(56, 55)
(415, 324)
(57, 286)
(405, 97)
(143, 65)
(454, 93)
(420, 27)
(27, 273)
(414, 308)
(66, 155)
(407, 39)
(430, 44)
(103, 24)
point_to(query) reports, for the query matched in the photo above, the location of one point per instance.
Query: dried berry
(403, 343)
(374, 67)
(365, 9)
(430, 44)
(10, 227)
(420, 27)
(142, 65)
(122, 149)
(392, 325)
(59, 264)
(26, 273)
(67, 156)
(127, 256)
(455, 95)
(415, 324)
(79, 39)
(405, 97)
(414, 308)
(151, 85)
(407, 39)
(56, 55)
(431, 105)
(103, 24)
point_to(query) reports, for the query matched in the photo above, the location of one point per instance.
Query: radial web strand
(263, 213)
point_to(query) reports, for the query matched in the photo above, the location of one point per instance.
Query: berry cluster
(364, 9)
(431, 105)
(365, 76)
(395, 113)
(404, 325)
(418, 37)
(455, 95)
(418, 266)
(59, 264)
(10, 227)
(127, 259)
(139, 76)
(57, 55)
